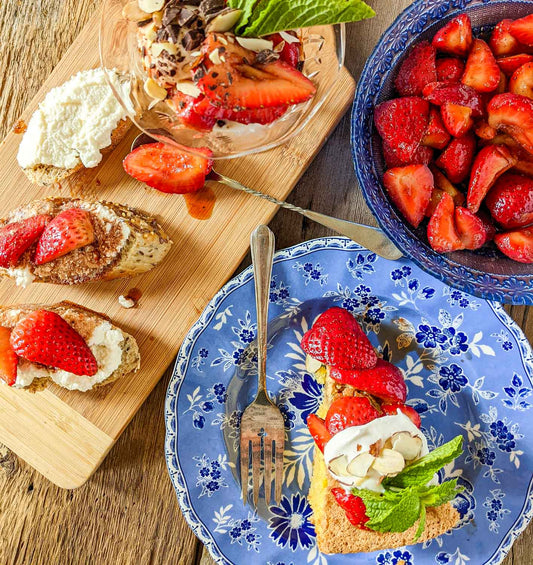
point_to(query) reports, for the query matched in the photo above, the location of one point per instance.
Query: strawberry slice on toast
(8, 358)
(16, 238)
(318, 430)
(349, 411)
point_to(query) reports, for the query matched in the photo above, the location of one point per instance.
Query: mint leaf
(421, 524)
(263, 17)
(421, 471)
(436, 495)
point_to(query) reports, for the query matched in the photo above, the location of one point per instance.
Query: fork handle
(262, 243)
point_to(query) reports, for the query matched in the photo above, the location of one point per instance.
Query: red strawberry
(409, 411)
(524, 167)
(439, 93)
(442, 184)
(513, 114)
(517, 244)
(417, 69)
(472, 230)
(457, 119)
(522, 30)
(349, 411)
(457, 158)
(44, 337)
(18, 237)
(69, 230)
(353, 506)
(402, 123)
(436, 135)
(481, 71)
(8, 358)
(422, 156)
(410, 189)
(483, 130)
(257, 116)
(245, 87)
(336, 339)
(508, 65)
(319, 432)
(442, 234)
(455, 37)
(290, 52)
(196, 113)
(384, 381)
(511, 201)
(167, 168)
(502, 42)
(450, 69)
(522, 81)
(490, 163)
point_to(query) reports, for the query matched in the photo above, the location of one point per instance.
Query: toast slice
(335, 534)
(116, 351)
(127, 242)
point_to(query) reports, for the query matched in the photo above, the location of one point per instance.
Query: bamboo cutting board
(66, 435)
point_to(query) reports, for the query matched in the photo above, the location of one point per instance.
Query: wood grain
(127, 513)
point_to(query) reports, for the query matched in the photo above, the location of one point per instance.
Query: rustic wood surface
(127, 513)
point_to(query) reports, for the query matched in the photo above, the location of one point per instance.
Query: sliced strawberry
(44, 337)
(422, 156)
(502, 42)
(417, 70)
(409, 411)
(319, 432)
(243, 86)
(8, 358)
(402, 122)
(384, 381)
(440, 93)
(18, 237)
(442, 184)
(522, 30)
(349, 411)
(436, 197)
(481, 72)
(68, 231)
(457, 119)
(490, 163)
(508, 65)
(472, 230)
(524, 167)
(290, 52)
(502, 86)
(483, 130)
(353, 506)
(410, 189)
(450, 69)
(167, 168)
(457, 158)
(442, 234)
(196, 113)
(336, 339)
(436, 135)
(522, 81)
(455, 37)
(511, 201)
(257, 116)
(513, 114)
(517, 244)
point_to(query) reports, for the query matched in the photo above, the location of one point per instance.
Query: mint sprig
(263, 17)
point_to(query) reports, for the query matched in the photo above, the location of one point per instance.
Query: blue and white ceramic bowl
(487, 272)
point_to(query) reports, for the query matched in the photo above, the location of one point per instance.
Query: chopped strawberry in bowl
(442, 140)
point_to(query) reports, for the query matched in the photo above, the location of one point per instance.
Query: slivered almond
(311, 364)
(151, 6)
(407, 445)
(389, 463)
(188, 87)
(360, 464)
(338, 466)
(289, 38)
(158, 48)
(154, 90)
(255, 43)
(224, 21)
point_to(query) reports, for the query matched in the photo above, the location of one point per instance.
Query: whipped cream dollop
(355, 440)
(74, 122)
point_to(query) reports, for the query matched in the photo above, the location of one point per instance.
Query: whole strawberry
(336, 339)
(44, 337)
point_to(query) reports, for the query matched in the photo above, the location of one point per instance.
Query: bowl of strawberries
(442, 142)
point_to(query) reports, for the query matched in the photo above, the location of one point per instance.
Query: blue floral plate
(467, 365)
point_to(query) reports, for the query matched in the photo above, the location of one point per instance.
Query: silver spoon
(371, 238)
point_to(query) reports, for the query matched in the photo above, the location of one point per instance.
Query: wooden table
(128, 513)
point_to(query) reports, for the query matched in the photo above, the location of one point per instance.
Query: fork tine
(267, 448)
(245, 461)
(278, 483)
(256, 467)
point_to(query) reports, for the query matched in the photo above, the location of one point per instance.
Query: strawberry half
(517, 244)
(418, 69)
(349, 411)
(68, 231)
(522, 30)
(457, 119)
(422, 156)
(319, 432)
(440, 93)
(502, 42)
(353, 506)
(410, 189)
(384, 381)
(44, 337)
(490, 163)
(510, 201)
(8, 358)
(455, 37)
(409, 411)
(522, 81)
(17, 237)
(450, 69)
(482, 71)
(473, 231)
(456, 159)
(167, 168)
(436, 135)
(442, 234)
(290, 53)
(508, 65)
(336, 339)
(513, 114)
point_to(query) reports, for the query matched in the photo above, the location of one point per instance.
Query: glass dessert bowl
(164, 58)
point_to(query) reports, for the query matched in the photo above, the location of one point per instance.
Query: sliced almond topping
(389, 463)
(406, 444)
(338, 466)
(158, 48)
(151, 6)
(188, 87)
(288, 37)
(154, 90)
(150, 33)
(157, 18)
(279, 47)
(224, 21)
(214, 56)
(360, 464)
(312, 364)
(133, 13)
(255, 43)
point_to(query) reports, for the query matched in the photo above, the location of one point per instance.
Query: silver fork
(262, 426)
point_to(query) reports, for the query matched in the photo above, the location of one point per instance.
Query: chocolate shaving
(192, 39)
(162, 34)
(210, 7)
(199, 74)
(266, 56)
(186, 17)
(173, 32)
(171, 14)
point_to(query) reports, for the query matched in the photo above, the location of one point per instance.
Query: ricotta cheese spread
(74, 122)
(22, 275)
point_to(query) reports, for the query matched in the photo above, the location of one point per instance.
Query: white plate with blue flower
(469, 371)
